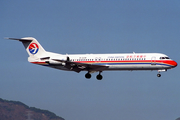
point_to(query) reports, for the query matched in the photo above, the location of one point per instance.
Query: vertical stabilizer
(32, 46)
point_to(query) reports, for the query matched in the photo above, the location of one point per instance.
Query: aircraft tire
(158, 75)
(88, 75)
(99, 77)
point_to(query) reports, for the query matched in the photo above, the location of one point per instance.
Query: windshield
(164, 58)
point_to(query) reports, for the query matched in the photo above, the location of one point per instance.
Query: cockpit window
(164, 58)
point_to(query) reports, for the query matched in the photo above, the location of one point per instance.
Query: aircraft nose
(174, 63)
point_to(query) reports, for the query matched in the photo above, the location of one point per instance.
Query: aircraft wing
(78, 67)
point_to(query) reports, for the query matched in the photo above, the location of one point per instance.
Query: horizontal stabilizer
(19, 39)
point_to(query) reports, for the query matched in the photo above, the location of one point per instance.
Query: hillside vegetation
(15, 110)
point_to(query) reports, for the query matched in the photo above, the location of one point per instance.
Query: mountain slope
(14, 110)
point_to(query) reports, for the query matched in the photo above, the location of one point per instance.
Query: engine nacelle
(53, 62)
(58, 61)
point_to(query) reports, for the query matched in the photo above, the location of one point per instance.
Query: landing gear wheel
(99, 77)
(159, 75)
(88, 75)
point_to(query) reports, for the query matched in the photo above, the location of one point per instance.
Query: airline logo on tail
(33, 48)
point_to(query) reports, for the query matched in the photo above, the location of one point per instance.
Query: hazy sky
(91, 26)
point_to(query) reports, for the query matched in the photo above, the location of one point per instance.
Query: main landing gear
(99, 76)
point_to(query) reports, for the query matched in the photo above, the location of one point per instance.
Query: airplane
(96, 62)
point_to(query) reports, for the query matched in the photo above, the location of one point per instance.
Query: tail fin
(32, 46)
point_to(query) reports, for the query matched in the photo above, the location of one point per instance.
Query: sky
(91, 26)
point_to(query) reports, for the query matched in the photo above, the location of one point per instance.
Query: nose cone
(174, 63)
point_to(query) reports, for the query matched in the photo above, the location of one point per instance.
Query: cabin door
(153, 60)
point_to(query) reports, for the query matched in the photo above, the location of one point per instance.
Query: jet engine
(58, 61)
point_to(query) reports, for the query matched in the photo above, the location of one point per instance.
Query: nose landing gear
(162, 70)
(158, 75)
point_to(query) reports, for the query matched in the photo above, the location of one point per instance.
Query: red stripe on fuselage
(168, 62)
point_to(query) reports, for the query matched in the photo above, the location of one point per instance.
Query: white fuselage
(130, 61)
